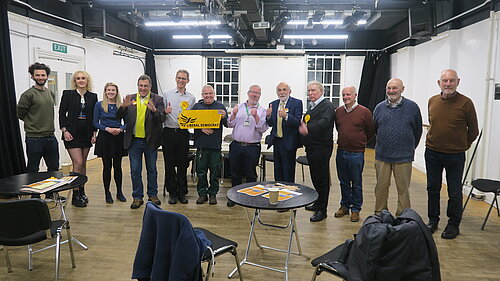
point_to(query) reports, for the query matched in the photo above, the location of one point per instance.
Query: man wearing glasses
(175, 141)
(248, 121)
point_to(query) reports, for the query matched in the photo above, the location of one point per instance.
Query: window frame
(225, 72)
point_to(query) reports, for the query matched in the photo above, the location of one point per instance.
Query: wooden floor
(112, 231)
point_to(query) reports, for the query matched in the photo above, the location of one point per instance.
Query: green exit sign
(59, 48)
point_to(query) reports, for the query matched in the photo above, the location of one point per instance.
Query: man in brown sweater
(355, 128)
(453, 128)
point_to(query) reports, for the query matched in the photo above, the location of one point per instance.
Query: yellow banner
(199, 119)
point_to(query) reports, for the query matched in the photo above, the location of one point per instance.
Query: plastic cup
(273, 195)
(66, 168)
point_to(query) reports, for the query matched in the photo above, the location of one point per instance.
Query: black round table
(10, 186)
(308, 196)
(259, 203)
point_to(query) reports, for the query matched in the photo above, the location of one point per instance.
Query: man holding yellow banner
(208, 140)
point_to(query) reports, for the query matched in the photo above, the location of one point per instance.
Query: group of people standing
(145, 120)
(397, 124)
(80, 117)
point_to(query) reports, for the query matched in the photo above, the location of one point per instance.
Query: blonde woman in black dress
(78, 133)
(109, 145)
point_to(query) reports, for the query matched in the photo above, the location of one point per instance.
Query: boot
(119, 195)
(109, 199)
(83, 195)
(77, 199)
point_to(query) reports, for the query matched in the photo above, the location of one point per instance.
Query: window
(326, 68)
(223, 75)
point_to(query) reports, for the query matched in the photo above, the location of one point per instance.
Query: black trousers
(453, 163)
(175, 146)
(319, 167)
(244, 160)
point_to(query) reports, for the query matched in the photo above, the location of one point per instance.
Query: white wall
(353, 66)
(465, 51)
(167, 66)
(268, 72)
(30, 36)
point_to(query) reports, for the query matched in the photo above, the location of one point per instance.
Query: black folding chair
(220, 246)
(487, 186)
(302, 160)
(26, 222)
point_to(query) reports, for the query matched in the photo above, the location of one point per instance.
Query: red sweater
(355, 128)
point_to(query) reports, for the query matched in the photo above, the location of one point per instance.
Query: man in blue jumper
(208, 148)
(398, 125)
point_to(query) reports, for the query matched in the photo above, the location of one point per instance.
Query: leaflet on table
(284, 194)
(282, 186)
(47, 184)
(253, 190)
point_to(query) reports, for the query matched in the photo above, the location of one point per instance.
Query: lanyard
(246, 107)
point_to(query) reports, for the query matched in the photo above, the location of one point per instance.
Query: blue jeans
(45, 147)
(453, 163)
(349, 170)
(138, 147)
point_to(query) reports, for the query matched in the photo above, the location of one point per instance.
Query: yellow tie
(279, 132)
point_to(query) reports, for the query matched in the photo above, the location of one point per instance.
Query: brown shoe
(355, 216)
(155, 200)
(341, 212)
(136, 203)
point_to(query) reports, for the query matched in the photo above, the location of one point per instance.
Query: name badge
(82, 117)
(246, 123)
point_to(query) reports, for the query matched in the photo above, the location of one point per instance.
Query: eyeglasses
(254, 92)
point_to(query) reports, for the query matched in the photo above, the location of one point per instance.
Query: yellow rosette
(184, 105)
(307, 118)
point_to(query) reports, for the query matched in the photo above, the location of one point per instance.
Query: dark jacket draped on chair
(169, 248)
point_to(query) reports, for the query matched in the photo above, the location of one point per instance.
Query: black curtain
(11, 148)
(151, 70)
(376, 73)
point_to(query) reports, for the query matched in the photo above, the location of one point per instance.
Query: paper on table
(253, 190)
(47, 184)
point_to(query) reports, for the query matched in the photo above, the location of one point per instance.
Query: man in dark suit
(316, 132)
(284, 115)
(143, 113)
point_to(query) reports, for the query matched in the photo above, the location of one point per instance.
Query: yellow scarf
(140, 127)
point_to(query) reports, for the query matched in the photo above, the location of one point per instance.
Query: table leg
(250, 222)
(62, 205)
(247, 250)
(294, 225)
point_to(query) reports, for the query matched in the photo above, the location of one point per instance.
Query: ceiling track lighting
(184, 23)
(317, 36)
